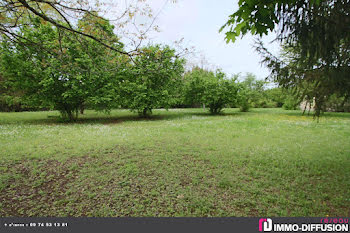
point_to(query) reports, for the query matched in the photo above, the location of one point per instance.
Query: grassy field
(181, 162)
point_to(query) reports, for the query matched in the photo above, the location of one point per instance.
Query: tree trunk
(82, 108)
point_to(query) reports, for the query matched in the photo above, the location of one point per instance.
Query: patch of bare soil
(36, 184)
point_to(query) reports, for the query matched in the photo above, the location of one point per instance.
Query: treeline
(68, 72)
(55, 69)
(51, 68)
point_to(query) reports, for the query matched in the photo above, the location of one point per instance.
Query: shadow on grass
(324, 115)
(113, 119)
(207, 114)
(162, 116)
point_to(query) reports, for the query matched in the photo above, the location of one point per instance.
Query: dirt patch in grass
(38, 185)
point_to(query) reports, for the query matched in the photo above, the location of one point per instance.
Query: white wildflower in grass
(229, 159)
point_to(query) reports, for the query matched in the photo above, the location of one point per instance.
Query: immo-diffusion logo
(266, 225)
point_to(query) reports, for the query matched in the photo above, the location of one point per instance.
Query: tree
(312, 83)
(219, 92)
(243, 98)
(150, 82)
(64, 15)
(276, 96)
(68, 73)
(10, 99)
(255, 90)
(317, 34)
(211, 89)
(194, 85)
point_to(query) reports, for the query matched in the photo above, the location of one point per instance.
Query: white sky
(198, 22)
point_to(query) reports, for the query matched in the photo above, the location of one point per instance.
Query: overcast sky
(198, 22)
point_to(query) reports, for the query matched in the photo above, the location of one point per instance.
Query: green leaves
(316, 34)
(65, 73)
(256, 17)
(209, 88)
(150, 83)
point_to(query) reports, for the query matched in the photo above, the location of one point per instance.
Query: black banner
(125, 224)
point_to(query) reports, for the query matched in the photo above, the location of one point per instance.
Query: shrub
(244, 106)
(218, 93)
(243, 98)
(151, 82)
(291, 103)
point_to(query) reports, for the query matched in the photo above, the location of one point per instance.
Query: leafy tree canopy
(318, 26)
(316, 39)
(212, 89)
(64, 75)
(64, 15)
(151, 81)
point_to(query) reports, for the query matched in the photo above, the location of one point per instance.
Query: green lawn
(184, 162)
